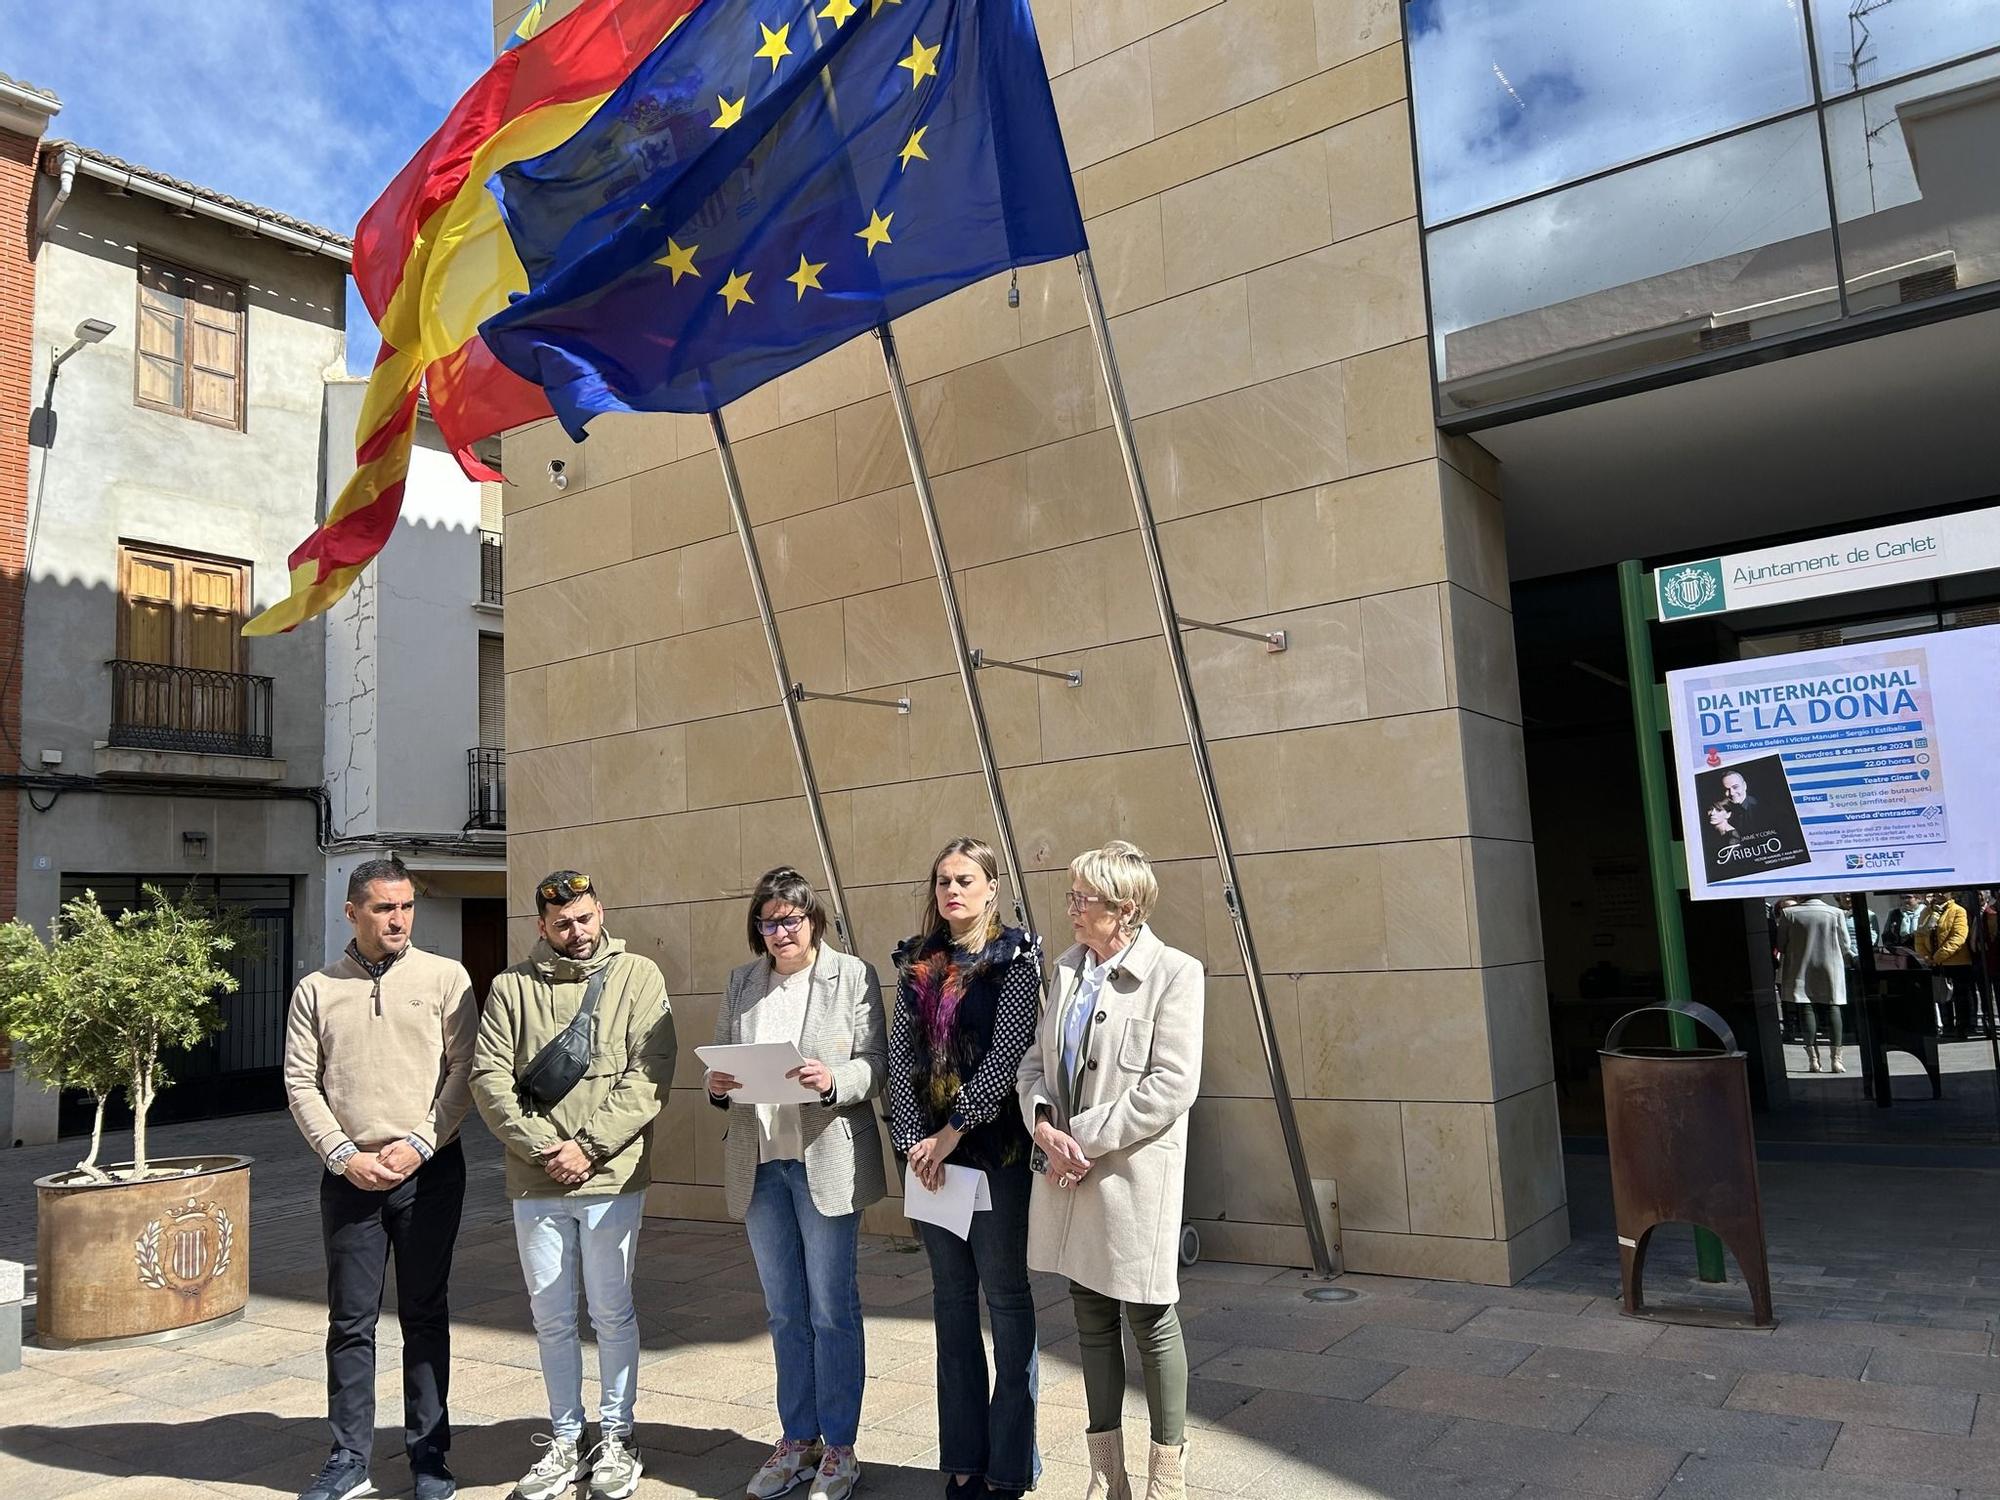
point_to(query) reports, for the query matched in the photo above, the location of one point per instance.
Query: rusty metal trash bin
(1682, 1151)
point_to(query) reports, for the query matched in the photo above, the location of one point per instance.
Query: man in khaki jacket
(578, 1169)
(378, 1049)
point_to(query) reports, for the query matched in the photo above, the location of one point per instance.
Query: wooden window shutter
(179, 610)
(191, 338)
(162, 338)
(492, 693)
(489, 506)
(215, 360)
(146, 609)
(213, 615)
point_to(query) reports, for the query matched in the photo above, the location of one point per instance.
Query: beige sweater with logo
(372, 1063)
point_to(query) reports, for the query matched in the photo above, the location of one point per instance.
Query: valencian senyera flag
(778, 177)
(431, 260)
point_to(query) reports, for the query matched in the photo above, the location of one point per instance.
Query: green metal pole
(1638, 607)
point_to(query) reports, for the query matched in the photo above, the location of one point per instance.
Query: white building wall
(121, 472)
(402, 688)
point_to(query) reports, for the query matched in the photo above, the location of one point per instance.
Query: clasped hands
(1067, 1163)
(567, 1162)
(378, 1171)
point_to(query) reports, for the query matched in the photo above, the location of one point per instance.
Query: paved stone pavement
(1880, 1384)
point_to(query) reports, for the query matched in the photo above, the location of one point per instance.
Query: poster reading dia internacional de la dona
(1863, 767)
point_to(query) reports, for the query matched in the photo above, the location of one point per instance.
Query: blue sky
(305, 106)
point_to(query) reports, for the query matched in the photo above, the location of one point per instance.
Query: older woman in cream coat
(1106, 1089)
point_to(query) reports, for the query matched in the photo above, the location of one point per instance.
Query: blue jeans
(557, 1237)
(989, 1433)
(807, 1264)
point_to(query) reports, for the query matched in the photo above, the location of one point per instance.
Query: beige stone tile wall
(1245, 166)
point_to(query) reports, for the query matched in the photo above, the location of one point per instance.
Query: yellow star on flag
(806, 277)
(731, 113)
(774, 43)
(837, 11)
(877, 232)
(679, 260)
(913, 148)
(875, 6)
(737, 289)
(922, 61)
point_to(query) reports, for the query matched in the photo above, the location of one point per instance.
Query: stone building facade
(1246, 170)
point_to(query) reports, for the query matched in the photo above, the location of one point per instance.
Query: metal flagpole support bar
(981, 661)
(1260, 1004)
(802, 694)
(1274, 640)
(788, 692)
(963, 657)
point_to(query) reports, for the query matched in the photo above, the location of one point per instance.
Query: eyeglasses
(1077, 900)
(774, 925)
(564, 890)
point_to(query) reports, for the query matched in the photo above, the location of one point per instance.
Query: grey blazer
(843, 1029)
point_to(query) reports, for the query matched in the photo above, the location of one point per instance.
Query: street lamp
(42, 421)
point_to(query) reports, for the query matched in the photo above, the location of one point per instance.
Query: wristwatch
(338, 1158)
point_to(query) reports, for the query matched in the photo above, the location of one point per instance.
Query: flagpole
(1260, 1005)
(899, 394)
(788, 691)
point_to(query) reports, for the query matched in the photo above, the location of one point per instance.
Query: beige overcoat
(1139, 1069)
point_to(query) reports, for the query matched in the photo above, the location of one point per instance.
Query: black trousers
(417, 1221)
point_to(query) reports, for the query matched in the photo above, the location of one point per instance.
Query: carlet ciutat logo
(185, 1249)
(1691, 589)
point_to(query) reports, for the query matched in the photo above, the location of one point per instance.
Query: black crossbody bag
(560, 1065)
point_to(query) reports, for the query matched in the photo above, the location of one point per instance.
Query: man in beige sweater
(378, 1062)
(578, 1165)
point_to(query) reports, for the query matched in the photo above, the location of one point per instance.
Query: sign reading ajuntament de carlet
(1968, 542)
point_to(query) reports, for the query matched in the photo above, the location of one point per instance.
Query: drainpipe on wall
(65, 185)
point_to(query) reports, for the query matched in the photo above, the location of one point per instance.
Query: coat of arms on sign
(186, 1249)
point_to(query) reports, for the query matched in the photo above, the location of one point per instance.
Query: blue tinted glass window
(1514, 96)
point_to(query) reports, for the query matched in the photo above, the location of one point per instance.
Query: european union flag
(776, 178)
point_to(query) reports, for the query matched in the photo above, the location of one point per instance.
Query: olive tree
(95, 1005)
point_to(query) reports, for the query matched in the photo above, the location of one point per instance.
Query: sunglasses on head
(564, 891)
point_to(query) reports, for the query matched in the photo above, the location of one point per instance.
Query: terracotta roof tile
(52, 152)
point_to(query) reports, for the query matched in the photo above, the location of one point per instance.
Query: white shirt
(779, 1015)
(1076, 1018)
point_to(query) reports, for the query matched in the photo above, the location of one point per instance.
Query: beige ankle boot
(1107, 1467)
(1166, 1473)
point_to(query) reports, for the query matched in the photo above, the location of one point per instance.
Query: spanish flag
(432, 260)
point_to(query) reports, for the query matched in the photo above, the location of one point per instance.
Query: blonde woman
(968, 995)
(1105, 1091)
(798, 1175)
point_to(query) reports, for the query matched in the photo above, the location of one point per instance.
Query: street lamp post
(42, 422)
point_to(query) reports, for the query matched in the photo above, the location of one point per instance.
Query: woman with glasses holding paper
(968, 995)
(799, 1174)
(1106, 1089)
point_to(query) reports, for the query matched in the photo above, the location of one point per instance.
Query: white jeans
(556, 1236)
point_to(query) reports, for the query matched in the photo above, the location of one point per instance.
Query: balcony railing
(157, 707)
(490, 550)
(486, 787)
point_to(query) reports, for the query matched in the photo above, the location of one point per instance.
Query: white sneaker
(615, 1469)
(839, 1472)
(554, 1473)
(790, 1465)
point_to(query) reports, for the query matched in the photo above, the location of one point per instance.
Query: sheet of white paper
(965, 1192)
(761, 1068)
